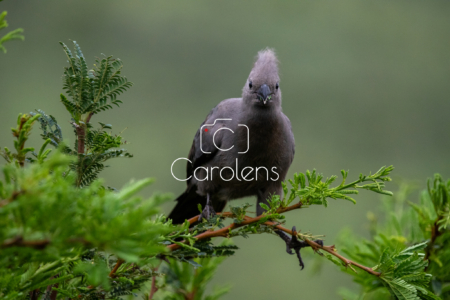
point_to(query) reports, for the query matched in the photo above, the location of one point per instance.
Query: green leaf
(264, 206)
(15, 34)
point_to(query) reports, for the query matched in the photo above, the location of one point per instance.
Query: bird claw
(286, 239)
(300, 260)
(295, 244)
(208, 212)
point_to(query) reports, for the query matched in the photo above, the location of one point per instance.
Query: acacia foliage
(15, 34)
(405, 226)
(61, 231)
(91, 91)
(63, 235)
(49, 226)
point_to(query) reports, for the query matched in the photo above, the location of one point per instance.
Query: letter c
(171, 169)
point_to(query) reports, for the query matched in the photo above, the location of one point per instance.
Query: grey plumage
(270, 140)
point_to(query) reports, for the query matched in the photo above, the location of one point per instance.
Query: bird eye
(277, 86)
(250, 84)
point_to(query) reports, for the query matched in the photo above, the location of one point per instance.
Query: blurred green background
(365, 84)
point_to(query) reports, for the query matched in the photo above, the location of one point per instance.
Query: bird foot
(208, 212)
(295, 244)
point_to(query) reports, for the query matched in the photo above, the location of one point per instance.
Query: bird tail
(187, 206)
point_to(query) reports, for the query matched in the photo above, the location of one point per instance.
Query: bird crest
(265, 68)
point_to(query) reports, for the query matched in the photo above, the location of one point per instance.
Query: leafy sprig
(15, 34)
(311, 188)
(21, 133)
(91, 91)
(409, 249)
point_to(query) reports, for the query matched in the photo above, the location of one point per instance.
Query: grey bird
(243, 148)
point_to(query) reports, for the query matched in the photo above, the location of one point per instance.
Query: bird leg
(294, 243)
(208, 212)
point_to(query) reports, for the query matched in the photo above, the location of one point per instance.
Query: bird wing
(291, 139)
(203, 148)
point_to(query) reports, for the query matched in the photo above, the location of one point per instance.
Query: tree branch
(116, 267)
(81, 140)
(154, 287)
(88, 119)
(223, 232)
(37, 244)
(19, 242)
(435, 233)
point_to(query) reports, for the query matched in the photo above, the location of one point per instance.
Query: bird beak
(264, 92)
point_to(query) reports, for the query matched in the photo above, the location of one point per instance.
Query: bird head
(262, 88)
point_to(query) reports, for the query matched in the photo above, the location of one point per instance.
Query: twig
(81, 138)
(435, 233)
(37, 244)
(50, 293)
(19, 242)
(20, 159)
(223, 232)
(34, 294)
(88, 119)
(191, 295)
(154, 287)
(332, 250)
(54, 293)
(116, 267)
